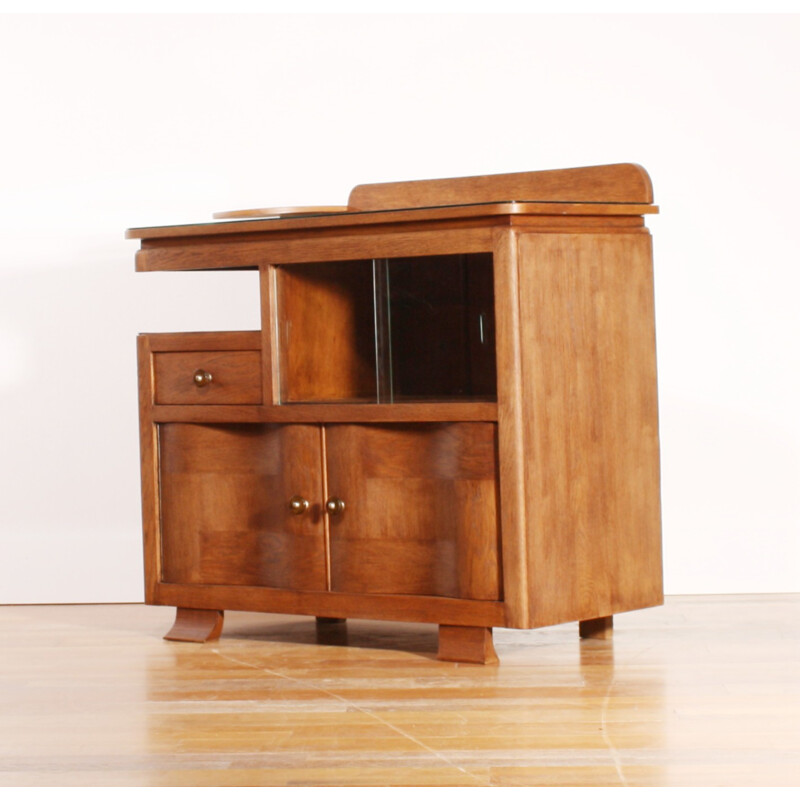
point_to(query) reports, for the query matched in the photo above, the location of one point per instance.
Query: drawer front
(212, 377)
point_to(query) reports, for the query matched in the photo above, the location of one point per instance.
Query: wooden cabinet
(448, 415)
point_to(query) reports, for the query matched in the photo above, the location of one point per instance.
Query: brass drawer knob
(202, 378)
(298, 505)
(334, 506)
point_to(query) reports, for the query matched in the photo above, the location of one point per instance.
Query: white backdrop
(119, 121)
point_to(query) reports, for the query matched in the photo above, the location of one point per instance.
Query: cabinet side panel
(510, 419)
(591, 425)
(269, 339)
(148, 444)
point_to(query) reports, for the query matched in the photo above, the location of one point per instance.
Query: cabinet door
(420, 509)
(225, 505)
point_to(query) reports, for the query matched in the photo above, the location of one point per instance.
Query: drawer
(208, 377)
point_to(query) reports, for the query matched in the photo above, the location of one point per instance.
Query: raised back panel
(612, 183)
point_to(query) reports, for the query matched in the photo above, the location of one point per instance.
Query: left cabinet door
(226, 510)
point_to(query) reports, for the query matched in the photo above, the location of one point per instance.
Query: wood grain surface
(225, 515)
(196, 625)
(326, 332)
(279, 211)
(331, 412)
(468, 645)
(234, 377)
(512, 458)
(590, 435)
(545, 306)
(612, 183)
(454, 216)
(420, 513)
(704, 691)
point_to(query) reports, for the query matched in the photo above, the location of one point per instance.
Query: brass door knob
(334, 506)
(298, 505)
(202, 378)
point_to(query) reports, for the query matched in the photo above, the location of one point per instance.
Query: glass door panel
(441, 312)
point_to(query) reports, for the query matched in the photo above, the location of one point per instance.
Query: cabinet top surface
(611, 190)
(316, 221)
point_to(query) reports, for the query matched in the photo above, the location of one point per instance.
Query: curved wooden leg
(600, 628)
(468, 644)
(196, 625)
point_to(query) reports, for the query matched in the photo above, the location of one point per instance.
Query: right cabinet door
(420, 511)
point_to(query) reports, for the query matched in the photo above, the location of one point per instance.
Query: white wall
(117, 121)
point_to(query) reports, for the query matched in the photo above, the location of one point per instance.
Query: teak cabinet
(449, 414)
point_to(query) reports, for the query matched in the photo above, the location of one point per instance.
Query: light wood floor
(704, 691)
